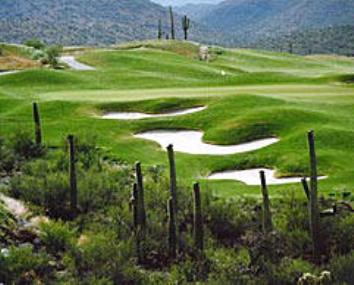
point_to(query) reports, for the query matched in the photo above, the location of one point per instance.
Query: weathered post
(37, 124)
(198, 219)
(72, 174)
(267, 215)
(173, 37)
(185, 26)
(172, 229)
(305, 187)
(141, 218)
(313, 205)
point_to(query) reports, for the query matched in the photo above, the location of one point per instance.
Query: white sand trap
(191, 142)
(138, 116)
(252, 177)
(74, 64)
(8, 72)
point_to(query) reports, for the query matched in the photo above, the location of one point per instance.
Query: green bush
(342, 269)
(23, 146)
(287, 272)
(57, 237)
(7, 158)
(101, 255)
(34, 43)
(228, 220)
(23, 266)
(38, 54)
(53, 52)
(228, 266)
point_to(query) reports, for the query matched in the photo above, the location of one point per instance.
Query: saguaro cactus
(313, 203)
(137, 229)
(172, 229)
(185, 26)
(159, 30)
(173, 35)
(198, 219)
(72, 174)
(173, 178)
(37, 124)
(141, 217)
(134, 204)
(267, 215)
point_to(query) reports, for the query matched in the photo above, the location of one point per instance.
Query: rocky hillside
(73, 22)
(251, 20)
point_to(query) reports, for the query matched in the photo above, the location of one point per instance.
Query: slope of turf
(250, 94)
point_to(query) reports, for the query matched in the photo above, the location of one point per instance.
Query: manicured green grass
(262, 94)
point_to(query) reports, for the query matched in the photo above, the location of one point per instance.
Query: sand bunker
(191, 142)
(8, 72)
(138, 116)
(74, 64)
(252, 177)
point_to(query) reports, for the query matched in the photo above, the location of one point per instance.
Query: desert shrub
(342, 269)
(34, 43)
(53, 52)
(189, 270)
(287, 272)
(23, 266)
(263, 249)
(338, 233)
(101, 255)
(38, 54)
(7, 158)
(57, 237)
(291, 220)
(228, 220)
(39, 184)
(228, 266)
(99, 189)
(23, 146)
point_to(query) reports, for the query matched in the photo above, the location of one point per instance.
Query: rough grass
(16, 57)
(263, 94)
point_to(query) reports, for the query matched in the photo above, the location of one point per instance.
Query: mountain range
(261, 23)
(87, 22)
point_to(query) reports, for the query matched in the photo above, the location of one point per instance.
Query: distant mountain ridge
(251, 20)
(235, 23)
(86, 22)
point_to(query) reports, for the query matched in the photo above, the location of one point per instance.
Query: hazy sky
(182, 2)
